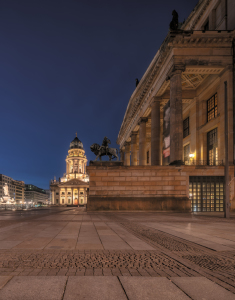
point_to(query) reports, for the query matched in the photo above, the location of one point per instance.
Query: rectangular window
(186, 127)
(186, 153)
(206, 193)
(212, 107)
(212, 148)
(147, 157)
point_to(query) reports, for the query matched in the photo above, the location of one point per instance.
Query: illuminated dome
(76, 144)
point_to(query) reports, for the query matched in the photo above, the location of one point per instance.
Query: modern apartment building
(35, 194)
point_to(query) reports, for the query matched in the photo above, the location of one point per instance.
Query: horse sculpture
(101, 151)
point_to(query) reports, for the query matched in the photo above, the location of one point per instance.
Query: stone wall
(144, 187)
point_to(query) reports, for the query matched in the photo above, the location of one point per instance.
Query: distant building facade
(72, 188)
(15, 188)
(35, 194)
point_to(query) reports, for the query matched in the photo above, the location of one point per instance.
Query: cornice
(145, 87)
(196, 15)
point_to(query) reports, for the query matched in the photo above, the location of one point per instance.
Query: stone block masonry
(145, 187)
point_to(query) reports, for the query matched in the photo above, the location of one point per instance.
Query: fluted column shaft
(176, 118)
(155, 133)
(142, 141)
(134, 149)
(127, 154)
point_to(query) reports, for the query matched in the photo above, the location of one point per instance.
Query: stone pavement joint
(131, 247)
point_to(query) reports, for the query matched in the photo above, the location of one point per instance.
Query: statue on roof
(175, 22)
(104, 150)
(136, 81)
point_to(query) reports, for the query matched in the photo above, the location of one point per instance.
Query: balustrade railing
(193, 162)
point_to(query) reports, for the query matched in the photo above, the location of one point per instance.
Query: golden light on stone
(71, 189)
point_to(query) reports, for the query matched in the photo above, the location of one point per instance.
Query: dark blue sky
(68, 66)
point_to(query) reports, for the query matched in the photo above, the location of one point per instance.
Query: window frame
(186, 128)
(213, 109)
(186, 158)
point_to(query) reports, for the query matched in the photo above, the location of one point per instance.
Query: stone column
(176, 119)
(155, 133)
(122, 155)
(66, 197)
(142, 141)
(127, 153)
(72, 196)
(134, 148)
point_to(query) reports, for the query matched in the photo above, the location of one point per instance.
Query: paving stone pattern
(72, 243)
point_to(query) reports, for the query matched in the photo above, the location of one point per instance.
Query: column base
(177, 163)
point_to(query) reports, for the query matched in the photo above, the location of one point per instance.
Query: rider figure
(105, 144)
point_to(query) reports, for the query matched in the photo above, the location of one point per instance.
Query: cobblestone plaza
(73, 254)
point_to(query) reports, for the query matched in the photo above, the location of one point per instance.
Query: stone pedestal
(106, 163)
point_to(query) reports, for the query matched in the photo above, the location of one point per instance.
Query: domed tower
(72, 188)
(76, 161)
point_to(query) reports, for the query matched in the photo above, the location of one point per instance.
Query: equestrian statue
(104, 150)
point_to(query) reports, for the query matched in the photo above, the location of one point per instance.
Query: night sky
(68, 66)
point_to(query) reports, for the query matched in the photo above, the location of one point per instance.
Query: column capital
(176, 70)
(156, 99)
(126, 144)
(143, 120)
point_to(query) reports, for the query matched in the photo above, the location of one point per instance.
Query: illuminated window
(186, 127)
(186, 153)
(212, 147)
(212, 108)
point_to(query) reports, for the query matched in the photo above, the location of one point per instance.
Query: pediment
(74, 182)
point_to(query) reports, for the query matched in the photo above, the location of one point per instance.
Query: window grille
(212, 110)
(212, 147)
(186, 127)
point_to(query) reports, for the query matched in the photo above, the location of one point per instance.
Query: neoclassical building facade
(178, 119)
(72, 188)
(185, 86)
